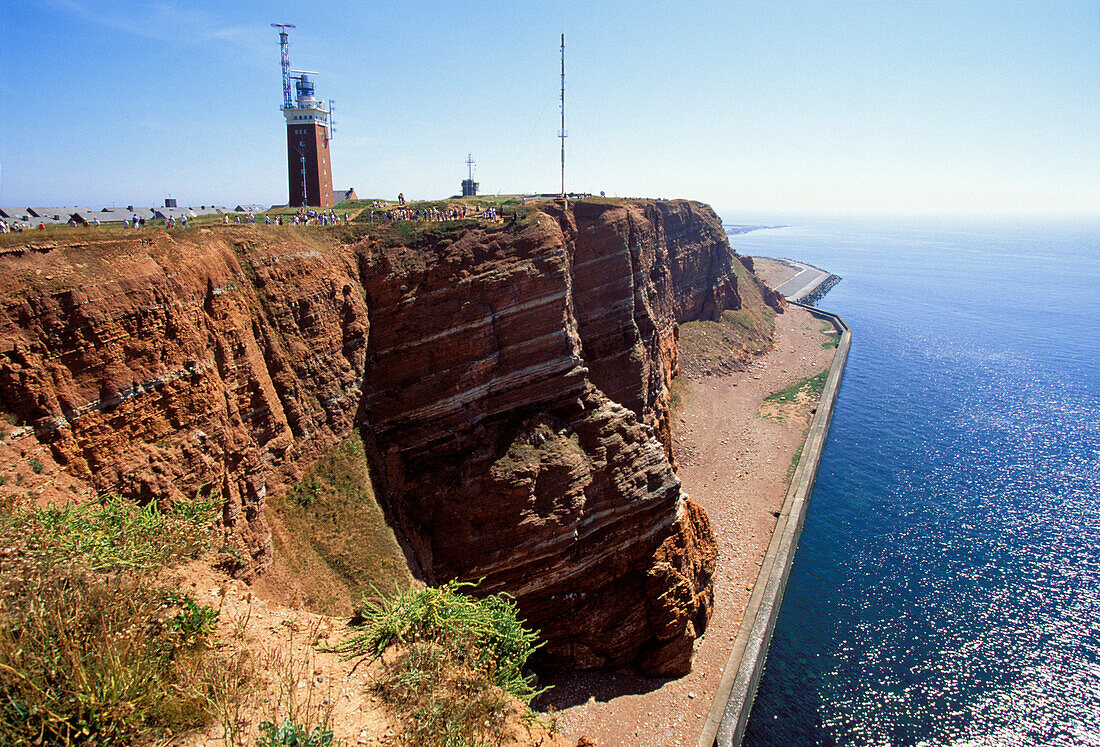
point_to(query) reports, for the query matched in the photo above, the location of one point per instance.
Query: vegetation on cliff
(451, 663)
(331, 535)
(250, 360)
(91, 652)
(730, 342)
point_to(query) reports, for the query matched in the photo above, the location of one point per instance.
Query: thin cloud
(166, 22)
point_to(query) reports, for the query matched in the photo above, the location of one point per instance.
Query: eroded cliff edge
(511, 384)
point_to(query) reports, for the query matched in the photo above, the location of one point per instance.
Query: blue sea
(946, 589)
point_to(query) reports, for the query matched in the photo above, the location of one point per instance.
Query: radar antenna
(284, 45)
(562, 132)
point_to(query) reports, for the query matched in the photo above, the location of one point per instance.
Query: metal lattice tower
(562, 133)
(284, 44)
(470, 165)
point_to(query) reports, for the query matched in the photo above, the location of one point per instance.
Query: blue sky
(754, 107)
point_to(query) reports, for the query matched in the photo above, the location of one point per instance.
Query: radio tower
(307, 135)
(285, 46)
(469, 186)
(562, 133)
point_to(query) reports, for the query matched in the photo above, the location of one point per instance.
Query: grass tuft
(806, 390)
(456, 661)
(90, 651)
(292, 734)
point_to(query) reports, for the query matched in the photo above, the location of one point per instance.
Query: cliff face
(511, 385)
(159, 368)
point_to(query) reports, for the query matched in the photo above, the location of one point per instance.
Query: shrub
(35, 465)
(90, 651)
(456, 660)
(195, 622)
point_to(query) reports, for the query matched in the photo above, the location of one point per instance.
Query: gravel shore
(736, 465)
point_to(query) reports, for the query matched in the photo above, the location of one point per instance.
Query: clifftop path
(511, 383)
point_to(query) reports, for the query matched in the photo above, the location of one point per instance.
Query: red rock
(511, 385)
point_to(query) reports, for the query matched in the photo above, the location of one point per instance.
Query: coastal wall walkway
(804, 283)
(729, 714)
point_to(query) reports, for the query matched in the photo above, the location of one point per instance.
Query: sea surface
(946, 589)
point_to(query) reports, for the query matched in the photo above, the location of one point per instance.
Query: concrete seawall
(729, 714)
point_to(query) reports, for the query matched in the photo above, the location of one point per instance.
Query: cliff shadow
(568, 689)
(377, 477)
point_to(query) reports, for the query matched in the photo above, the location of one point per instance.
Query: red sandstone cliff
(513, 386)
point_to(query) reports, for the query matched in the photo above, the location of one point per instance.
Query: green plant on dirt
(35, 465)
(91, 652)
(675, 397)
(291, 734)
(833, 338)
(806, 390)
(195, 622)
(453, 662)
(304, 492)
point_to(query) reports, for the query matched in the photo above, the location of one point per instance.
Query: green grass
(92, 652)
(432, 234)
(456, 661)
(754, 328)
(678, 394)
(110, 536)
(809, 388)
(331, 517)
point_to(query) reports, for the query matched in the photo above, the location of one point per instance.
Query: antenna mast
(470, 165)
(562, 133)
(284, 44)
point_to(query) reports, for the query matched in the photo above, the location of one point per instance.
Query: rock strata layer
(512, 385)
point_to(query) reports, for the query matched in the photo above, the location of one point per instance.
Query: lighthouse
(309, 168)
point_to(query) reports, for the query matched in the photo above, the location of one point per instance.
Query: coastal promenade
(729, 714)
(807, 280)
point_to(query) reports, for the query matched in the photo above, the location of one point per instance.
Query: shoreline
(737, 466)
(733, 701)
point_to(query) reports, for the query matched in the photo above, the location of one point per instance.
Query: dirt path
(736, 465)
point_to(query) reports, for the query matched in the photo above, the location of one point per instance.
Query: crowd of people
(378, 211)
(308, 217)
(432, 214)
(17, 227)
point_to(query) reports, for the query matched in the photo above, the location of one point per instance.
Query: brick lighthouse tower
(309, 167)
